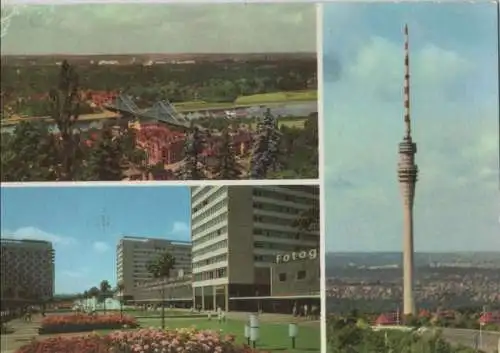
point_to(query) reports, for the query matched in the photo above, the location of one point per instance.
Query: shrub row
(83, 322)
(144, 341)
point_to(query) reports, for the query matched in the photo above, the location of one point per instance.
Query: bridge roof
(164, 111)
(125, 104)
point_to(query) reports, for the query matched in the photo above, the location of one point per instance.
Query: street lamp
(293, 332)
(121, 302)
(254, 329)
(163, 306)
(247, 333)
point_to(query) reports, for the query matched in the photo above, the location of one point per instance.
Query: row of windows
(285, 235)
(210, 211)
(210, 261)
(210, 236)
(208, 200)
(213, 274)
(264, 206)
(276, 195)
(278, 246)
(298, 276)
(204, 190)
(219, 245)
(274, 220)
(214, 221)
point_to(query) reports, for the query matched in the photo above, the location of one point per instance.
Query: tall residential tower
(237, 232)
(407, 175)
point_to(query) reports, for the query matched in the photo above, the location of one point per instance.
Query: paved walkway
(23, 333)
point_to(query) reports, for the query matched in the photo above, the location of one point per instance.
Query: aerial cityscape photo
(412, 233)
(159, 92)
(160, 269)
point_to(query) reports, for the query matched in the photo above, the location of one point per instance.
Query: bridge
(122, 106)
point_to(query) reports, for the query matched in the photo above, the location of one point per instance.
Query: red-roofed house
(387, 319)
(161, 144)
(490, 318)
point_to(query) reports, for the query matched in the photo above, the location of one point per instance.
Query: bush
(83, 322)
(88, 344)
(144, 341)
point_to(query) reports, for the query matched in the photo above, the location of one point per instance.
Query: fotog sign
(297, 255)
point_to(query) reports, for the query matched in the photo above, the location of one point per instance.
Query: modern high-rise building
(237, 232)
(133, 255)
(27, 270)
(407, 175)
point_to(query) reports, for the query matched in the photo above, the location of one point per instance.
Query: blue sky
(455, 124)
(161, 28)
(85, 224)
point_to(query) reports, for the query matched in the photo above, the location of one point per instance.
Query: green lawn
(273, 336)
(255, 99)
(278, 97)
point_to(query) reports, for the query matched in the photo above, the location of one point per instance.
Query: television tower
(407, 176)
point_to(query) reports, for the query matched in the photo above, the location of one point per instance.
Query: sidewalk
(23, 333)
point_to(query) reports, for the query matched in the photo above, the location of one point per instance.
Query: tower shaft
(407, 176)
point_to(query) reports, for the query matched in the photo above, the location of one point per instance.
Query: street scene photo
(215, 269)
(411, 186)
(159, 92)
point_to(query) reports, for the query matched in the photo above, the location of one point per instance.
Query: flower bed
(144, 341)
(84, 323)
(89, 344)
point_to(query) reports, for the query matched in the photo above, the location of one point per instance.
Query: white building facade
(133, 254)
(237, 232)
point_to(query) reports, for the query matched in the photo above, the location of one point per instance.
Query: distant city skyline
(137, 28)
(85, 223)
(455, 123)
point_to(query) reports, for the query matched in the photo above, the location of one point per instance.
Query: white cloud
(33, 233)
(80, 273)
(100, 246)
(378, 65)
(457, 137)
(179, 228)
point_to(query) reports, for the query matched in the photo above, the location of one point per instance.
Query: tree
(120, 287)
(104, 158)
(227, 167)
(65, 109)
(161, 269)
(93, 292)
(193, 148)
(28, 153)
(104, 288)
(265, 150)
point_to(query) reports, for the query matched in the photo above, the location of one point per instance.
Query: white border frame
(149, 183)
(321, 172)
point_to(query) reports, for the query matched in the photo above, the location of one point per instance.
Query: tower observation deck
(407, 177)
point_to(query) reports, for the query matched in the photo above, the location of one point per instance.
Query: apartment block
(133, 254)
(27, 270)
(237, 233)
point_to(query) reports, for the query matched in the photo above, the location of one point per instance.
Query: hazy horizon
(161, 28)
